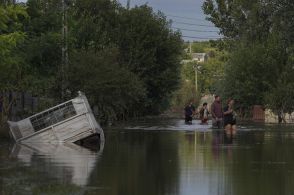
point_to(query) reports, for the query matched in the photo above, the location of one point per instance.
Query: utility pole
(196, 76)
(195, 68)
(190, 48)
(64, 63)
(128, 4)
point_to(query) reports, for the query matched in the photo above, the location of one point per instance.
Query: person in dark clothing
(204, 114)
(1, 108)
(217, 113)
(189, 111)
(1, 103)
(230, 118)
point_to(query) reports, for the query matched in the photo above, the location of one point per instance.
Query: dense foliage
(11, 36)
(125, 60)
(260, 67)
(209, 72)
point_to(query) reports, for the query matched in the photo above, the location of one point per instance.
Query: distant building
(199, 57)
(196, 57)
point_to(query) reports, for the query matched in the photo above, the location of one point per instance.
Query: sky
(186, 15)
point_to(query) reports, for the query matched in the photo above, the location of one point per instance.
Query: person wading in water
(189, 111)
(230, 118)
(216, 113)
(204, 114)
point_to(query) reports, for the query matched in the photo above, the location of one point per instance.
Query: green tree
(150, 49)
(147, 46)
(260, 66)
(11, 37)
(114, 89)
(141, 54)
(95, 24)
(13, 70)
(249, 19)
(200, 47)
(280, 99)
(43, 47)
(211, 71)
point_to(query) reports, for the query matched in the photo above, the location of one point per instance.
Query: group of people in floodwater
(221, 116)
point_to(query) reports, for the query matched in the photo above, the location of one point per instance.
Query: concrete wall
(270, 117)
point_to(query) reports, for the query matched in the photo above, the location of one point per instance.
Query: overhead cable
(173, 16)
(204, 38)
(192, 30)
(193, 24)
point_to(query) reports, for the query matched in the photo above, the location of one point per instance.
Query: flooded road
(156, 157)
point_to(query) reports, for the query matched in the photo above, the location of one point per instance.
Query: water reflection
(138, 162)
(68, 162)
(170, 125)
(258, 160)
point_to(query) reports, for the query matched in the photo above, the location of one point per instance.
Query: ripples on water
(156, 157)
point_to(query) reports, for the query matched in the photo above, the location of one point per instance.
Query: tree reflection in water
(138, 162)
(258, 160)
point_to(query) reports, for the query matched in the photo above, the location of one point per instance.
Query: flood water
(156, 157)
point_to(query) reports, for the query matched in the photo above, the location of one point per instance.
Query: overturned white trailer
(70, 121)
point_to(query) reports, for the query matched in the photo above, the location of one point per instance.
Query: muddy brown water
(156, 157)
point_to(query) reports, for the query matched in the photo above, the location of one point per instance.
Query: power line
(173, 16)
(205, 38)
(193, 24)
(191, 30)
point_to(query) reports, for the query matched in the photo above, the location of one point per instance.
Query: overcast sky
(187, 15)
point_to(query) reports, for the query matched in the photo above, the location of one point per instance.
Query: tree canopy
(126, 60)
(260, 37)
